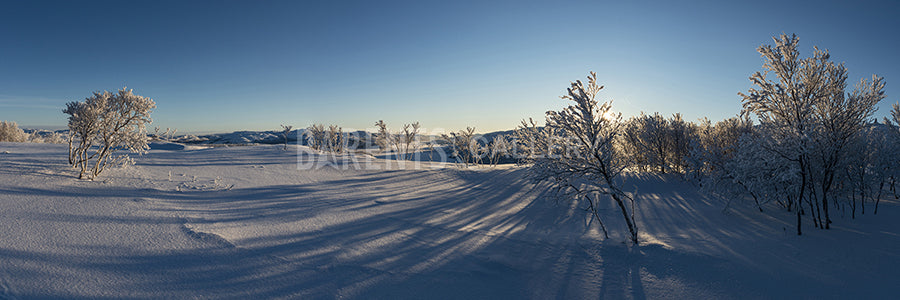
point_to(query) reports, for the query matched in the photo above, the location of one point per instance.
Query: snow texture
(246, 223)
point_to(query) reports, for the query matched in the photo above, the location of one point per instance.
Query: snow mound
(206, 237)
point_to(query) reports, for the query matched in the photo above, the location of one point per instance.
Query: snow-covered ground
(246, 223)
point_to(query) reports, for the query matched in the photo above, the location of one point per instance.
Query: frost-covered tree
(316, 137)
(408, 137)
(807, 118)
(110, 121)
(285, 132)
(498, 148)
(645, 141)
(463, 145)
(895, 114)
(532, 141)
(870, 166)
(839, 118)
(167, 135)
(334, 138)
(581, 160)
(383, 138)
(10, 132)
(712, 152)
(46, 137)
(751, 168)
(681, 134)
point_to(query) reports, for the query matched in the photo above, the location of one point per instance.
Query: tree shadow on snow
(407, 234)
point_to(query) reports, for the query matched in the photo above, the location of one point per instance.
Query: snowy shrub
(46, 137)
(111, 122)
(167, 135)
(498, 148)
(809, 120)
(330, 139)
(404, 143)
(10, 132)
(384, 138)
(334, 139)
(578, 156)
(316, 137)
(408, 138)
(285, 132)
(532, 141)
(463, 145)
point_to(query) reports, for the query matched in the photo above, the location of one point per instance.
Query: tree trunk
(798, 222)
(800, 198)
(826, 187)
(631, 226)
(597, 216)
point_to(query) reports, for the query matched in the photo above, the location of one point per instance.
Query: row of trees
(468, 148)
(657, 144)
(814, 148)
(464, 146)
(10, 132)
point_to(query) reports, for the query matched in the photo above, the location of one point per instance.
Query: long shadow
(408, 234)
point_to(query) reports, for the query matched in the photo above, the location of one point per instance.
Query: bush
(10, 132)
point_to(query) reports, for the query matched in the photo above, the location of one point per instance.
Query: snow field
(245, 222)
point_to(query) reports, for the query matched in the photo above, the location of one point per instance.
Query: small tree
(582, 162)
(463, 145)
(316, 137)
(112, 121)
(384, 137)
(408, 138)
(335, 139)
(285, 132)
(532, 141)
(497, 149)
(168, 135)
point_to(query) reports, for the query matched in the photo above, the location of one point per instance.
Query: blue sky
(219, 66)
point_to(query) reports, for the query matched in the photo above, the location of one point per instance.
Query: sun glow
(610, 115)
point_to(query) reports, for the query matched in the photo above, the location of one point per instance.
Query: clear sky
(220, 66)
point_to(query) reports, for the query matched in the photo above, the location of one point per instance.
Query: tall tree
(808, 118)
